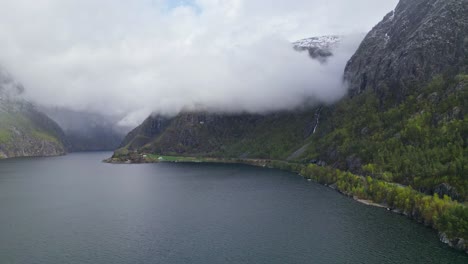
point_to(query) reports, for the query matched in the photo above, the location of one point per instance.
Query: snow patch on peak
(319, 48)
(392, 16)
(386, 39)
(322, 42)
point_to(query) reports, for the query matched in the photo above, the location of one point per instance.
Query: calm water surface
(75, 209)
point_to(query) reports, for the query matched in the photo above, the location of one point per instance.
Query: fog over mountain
(131, 58)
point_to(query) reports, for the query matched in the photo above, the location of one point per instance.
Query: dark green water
(75, 209)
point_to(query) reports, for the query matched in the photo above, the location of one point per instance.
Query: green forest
(419, 142)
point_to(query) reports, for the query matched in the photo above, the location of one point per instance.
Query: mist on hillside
(129, 59)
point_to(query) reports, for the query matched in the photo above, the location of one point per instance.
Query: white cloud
(129, 58)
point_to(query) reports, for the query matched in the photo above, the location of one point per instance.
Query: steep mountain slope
(228, 135)
(406, 119)
(24, 131)
(422, 142)
(413, 43)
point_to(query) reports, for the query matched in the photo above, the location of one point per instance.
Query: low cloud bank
(132, 58)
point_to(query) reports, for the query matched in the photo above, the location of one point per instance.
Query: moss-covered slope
(27, 132)
(422, 141)
(273, 136)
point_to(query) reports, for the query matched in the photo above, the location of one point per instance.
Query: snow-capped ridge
(322, 42)
(318, 47)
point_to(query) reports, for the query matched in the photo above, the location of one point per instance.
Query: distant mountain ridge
(87, 131)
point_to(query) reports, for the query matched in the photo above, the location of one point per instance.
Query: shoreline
(35, 156)
(371, 203)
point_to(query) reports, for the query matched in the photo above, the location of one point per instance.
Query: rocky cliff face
(413, 43)
(25, 131)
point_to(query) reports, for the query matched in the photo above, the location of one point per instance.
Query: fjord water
(76, 209)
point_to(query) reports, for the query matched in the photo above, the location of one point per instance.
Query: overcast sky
(131, 58)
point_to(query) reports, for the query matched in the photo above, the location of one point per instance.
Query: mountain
(319, 48)
(406, 117)
(25, 131)
(86, 131)
(405, 120)
(227, 135)
(233, 135)
(413, 43)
